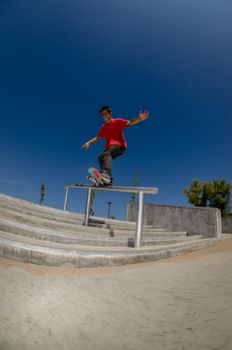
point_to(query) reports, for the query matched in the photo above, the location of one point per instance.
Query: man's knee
(118, 152)
(103, 155)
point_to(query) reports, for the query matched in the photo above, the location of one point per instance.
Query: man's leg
(105, 158)
(100, 160)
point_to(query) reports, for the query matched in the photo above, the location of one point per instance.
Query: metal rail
(139, 190)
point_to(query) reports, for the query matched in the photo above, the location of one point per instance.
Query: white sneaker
(106, 177)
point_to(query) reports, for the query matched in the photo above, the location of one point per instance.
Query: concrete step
(97, 220)
(33, 233)
(52, 253)
(41, 234)
(147, 233)
(76, 228)
(82, 238)
(80, 245)
(49, 223)
(20, 203)
(8, 211)
(168, 240)
(40, 213)
(36, 210)
(27, 209)
(124, 227)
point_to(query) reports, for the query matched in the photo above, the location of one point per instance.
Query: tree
(219, 193)
(196, 193)
(42, 193)
(210, 194)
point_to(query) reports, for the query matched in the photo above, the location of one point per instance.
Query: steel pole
(66, 198)
(109, 204)
(87, 207)
(139, 224)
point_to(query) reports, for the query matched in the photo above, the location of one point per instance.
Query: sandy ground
(179, 303)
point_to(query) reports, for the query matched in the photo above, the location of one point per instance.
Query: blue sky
(60, 61)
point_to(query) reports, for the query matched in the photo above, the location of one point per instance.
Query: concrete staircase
(42, 235)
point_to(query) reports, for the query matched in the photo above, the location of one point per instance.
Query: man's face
(106, 115)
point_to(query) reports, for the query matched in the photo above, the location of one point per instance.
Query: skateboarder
(112, 131)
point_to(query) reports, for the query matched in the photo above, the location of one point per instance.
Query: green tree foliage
(210, 194)
(42, 193)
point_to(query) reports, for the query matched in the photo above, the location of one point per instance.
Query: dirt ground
(183, 302)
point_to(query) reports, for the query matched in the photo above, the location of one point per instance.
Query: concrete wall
(204, 221)
(227, 224)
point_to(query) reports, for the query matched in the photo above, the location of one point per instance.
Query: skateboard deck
(95, 177)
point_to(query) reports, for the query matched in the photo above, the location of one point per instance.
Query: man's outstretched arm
(90, 142)
(141, 117)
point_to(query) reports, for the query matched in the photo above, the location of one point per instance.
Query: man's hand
(86, 146)
(90, 142)
(143, 115)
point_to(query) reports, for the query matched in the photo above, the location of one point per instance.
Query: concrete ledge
(50, 256)
(227, 224)
(194, 220)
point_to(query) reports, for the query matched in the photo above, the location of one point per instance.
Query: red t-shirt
(113, 132)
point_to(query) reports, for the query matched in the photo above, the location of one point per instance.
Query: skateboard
(95, 177)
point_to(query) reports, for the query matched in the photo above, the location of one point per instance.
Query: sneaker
(97, 183)
(106, 178)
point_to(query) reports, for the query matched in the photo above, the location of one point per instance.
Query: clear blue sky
(60, 61)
